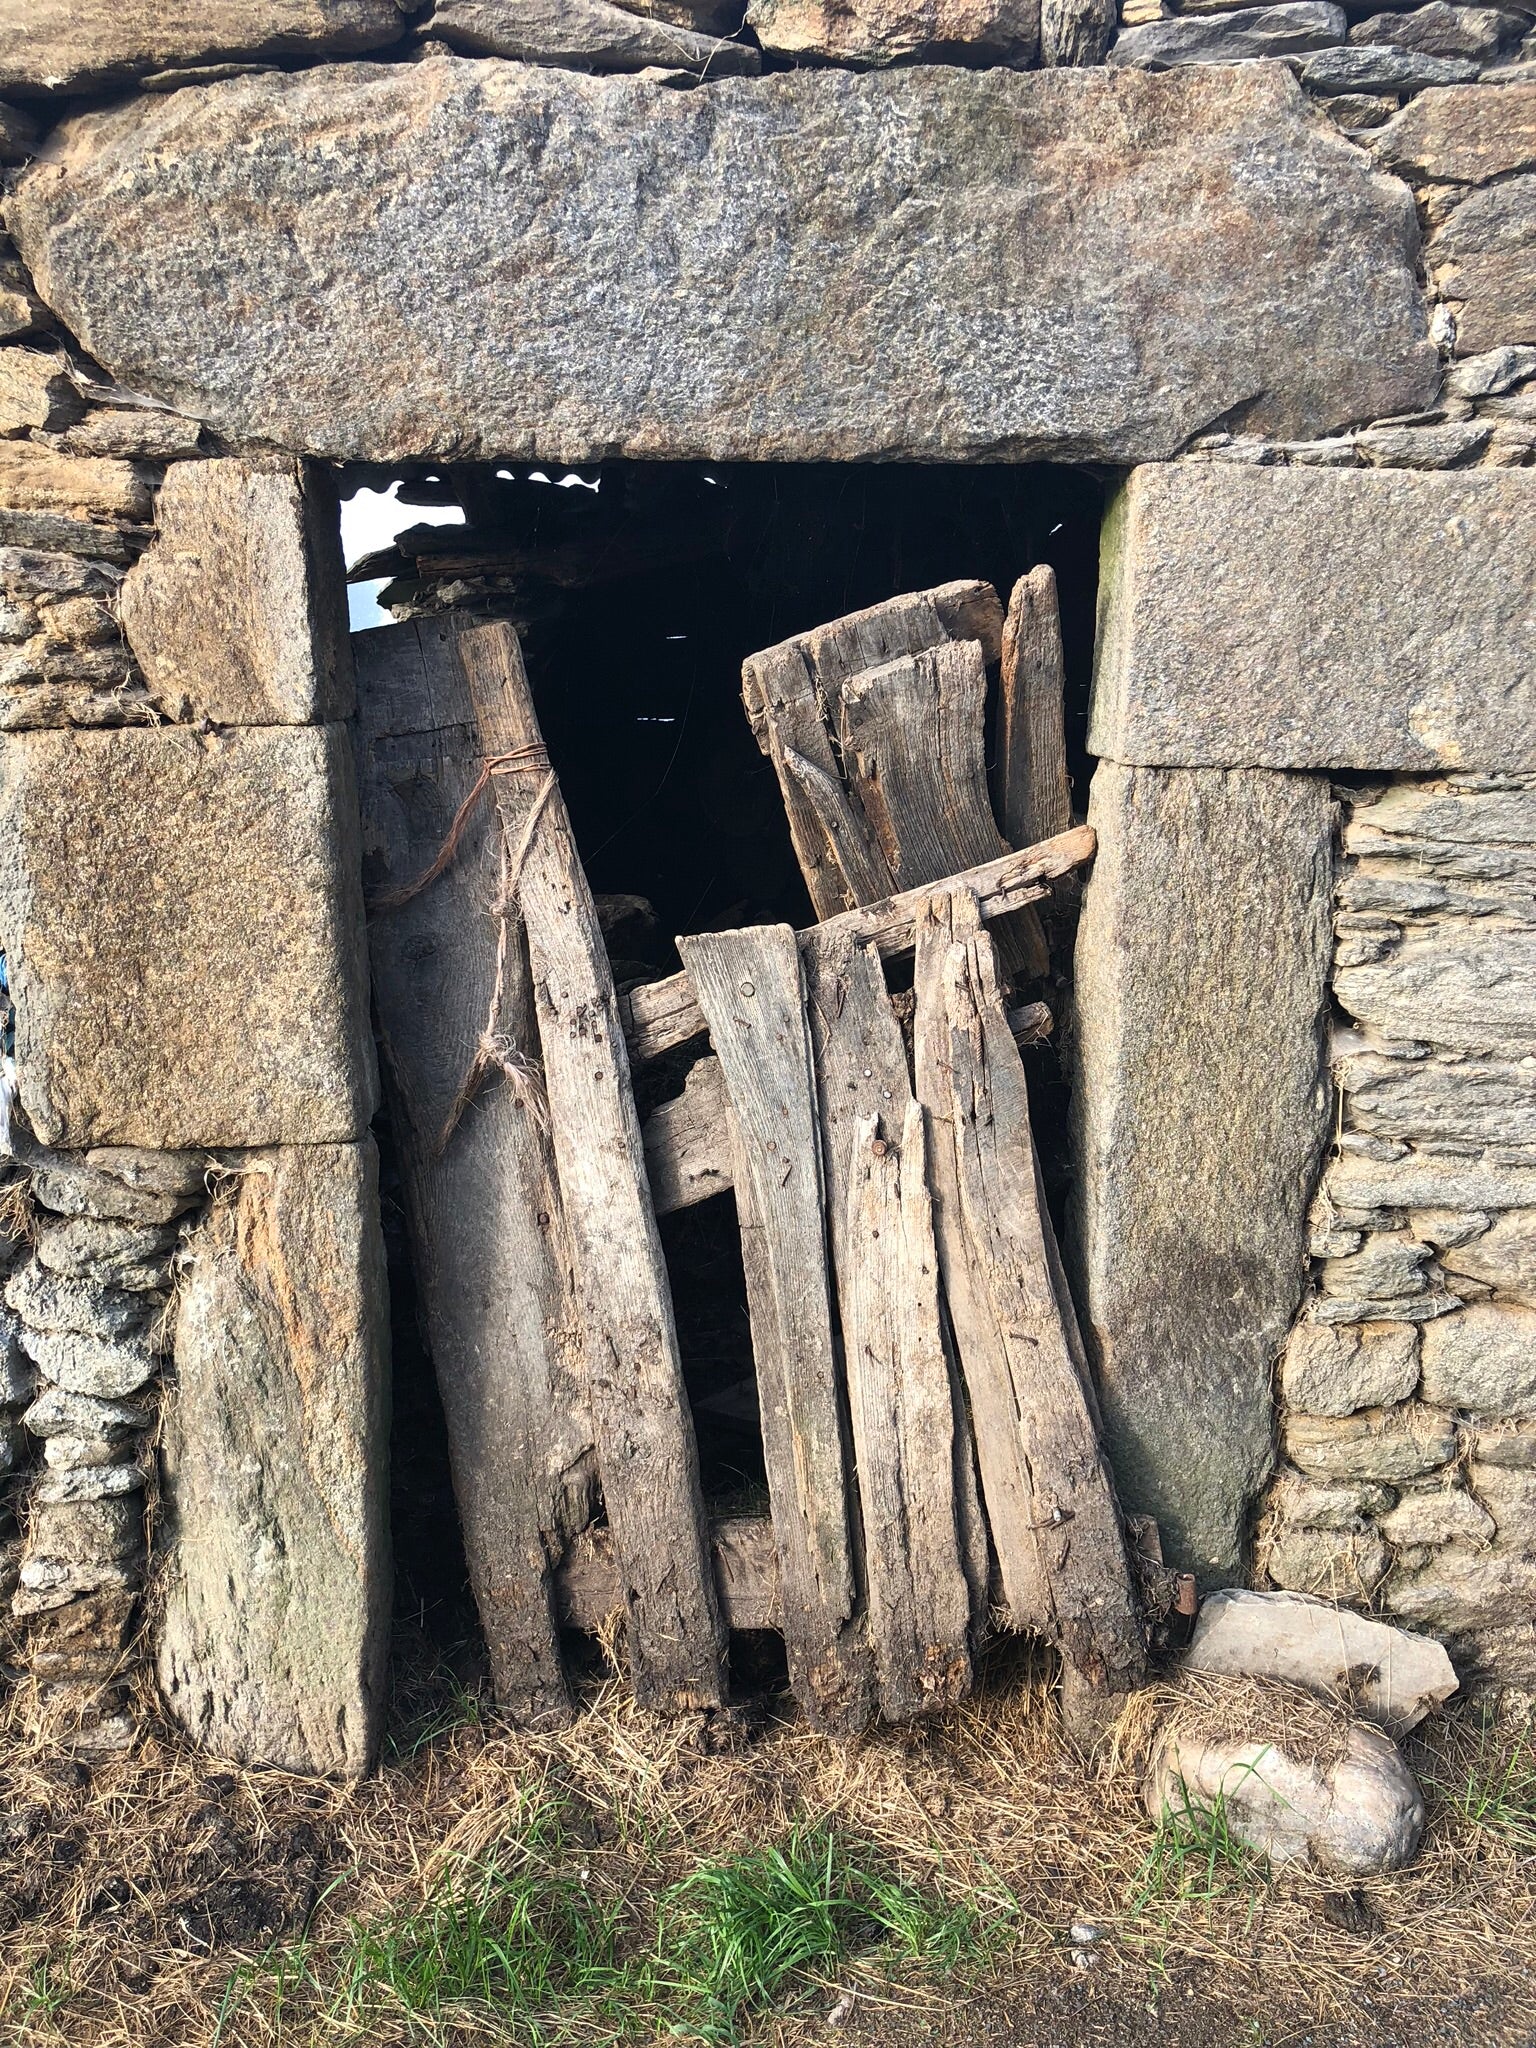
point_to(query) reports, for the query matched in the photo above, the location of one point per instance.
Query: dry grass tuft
(164, 1900)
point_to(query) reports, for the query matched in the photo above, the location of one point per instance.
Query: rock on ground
(182, 920)
(928, 261)
(277, 1575)
(1354, 1808)
(1201, 1108)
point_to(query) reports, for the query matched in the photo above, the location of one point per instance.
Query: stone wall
(1408, 1469)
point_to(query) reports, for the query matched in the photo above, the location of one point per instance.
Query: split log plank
(746, 1563)
(663, 1014)
(486, 1233)
(749, 986)
(928, 1477)
(790, 692)
(1092, 1612)
(643, 1428)
(1034, 792)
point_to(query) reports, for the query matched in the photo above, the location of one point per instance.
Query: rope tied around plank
(495, 1050)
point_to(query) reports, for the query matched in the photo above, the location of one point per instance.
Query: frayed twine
(532, 756)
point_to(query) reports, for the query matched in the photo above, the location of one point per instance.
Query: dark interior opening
(638, 589)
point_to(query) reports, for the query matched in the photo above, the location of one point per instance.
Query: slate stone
(1464, 135)
(1437, 1514)
(1314, 1504)
(135, 1257)
(1483, 1361)
(1383, 70)
(1348, 619)
(1463, 1587)
(125, 430)
(1341, 1564)
(1334, 1370)
(1484, 1101)
(56, 1412)
(90, 1482)
(1422, 1182)
(1201, 1106)
(1443, 30)
(1452, 983)
(275, 1469)
(1481, 259)
(927, 261)
(48, 1301)
(235, 613)
(585, 35)
(1446, 446)
(38, 479)
(1232, 36)
(62, 1183)
(54, 533)
(1389, 1264)
(1503, 1258)
(183, 924)
(881, 31)
(1490, 374)
(1389, 1444)
(64, 46)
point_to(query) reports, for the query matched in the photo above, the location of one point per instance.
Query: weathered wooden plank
(1093, 1613)
(486, 1232)
(687, 1143)
(791, 693)
(662, 1014)
(644, 1432)
(862, 1074)
(1034, 792)
(749, 986)
(587, 1587)
(983, 1360)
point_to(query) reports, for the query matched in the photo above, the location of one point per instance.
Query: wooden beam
(746, 1565)
(662, 1014)
(641, 1421)
(1016, 1350)
(749, 986)
(911, 1443)
(1034, 791)
(486, 1233)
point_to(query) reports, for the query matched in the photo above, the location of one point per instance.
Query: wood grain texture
(862, 1076)
(662, 1014)
(791, 692)
(1093, 1612)
(641, 1422)
(1033, 790)
(688, 1143)
(749, 985)
(488, 1241)
(945, 921)
(746, 1576)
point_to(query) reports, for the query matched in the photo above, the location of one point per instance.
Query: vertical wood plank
(644, 1431)
(486, 1231)
(1034, 792)
(749, 987)
(862, 1074)
(1093, 1612)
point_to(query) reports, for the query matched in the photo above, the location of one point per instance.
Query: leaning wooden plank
(790, 692)
(862, 1080)
(486, 1232)
(1005, 1484)
(1094, 1615)
(687, 1142)
(644, 1432)
(746, 1576)
(1034, 793)
(749, 986)
(665, 1013)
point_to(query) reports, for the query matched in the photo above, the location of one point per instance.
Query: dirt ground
(162, 1900)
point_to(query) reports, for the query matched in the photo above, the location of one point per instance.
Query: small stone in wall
(57, 1413)
(1343, 1564)
(585, 35)
(35, 391)
(1483, 1361)
(1354, 110)
(881, 31)
(1508, 1494)
(1437, 1514)
(1288, 30)
(1332, 1369)
(1511, 1444)
(1442, 30)
(38, 479)
(22, 312)
(48, 1301)
(1456, 1589)
(89, 1482)
(67, 1453)
(1382, 70)
(1502, 1256)
(148, 435)
(1440, 447)
(1462, 136)
(64, 1184)
(1388, 1444)
(92, 1365)
(1297, 1782)
(1386, 1266)
(1482, 259)
(1488, 375)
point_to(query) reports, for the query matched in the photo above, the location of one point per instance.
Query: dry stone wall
(1408, 1457)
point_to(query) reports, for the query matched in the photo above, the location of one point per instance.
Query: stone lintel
(1307, 618)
